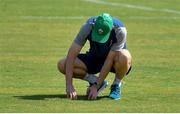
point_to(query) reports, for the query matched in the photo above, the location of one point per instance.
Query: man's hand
(71, 92)
(92, 92)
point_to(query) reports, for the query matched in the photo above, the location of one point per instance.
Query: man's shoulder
(117, 22)
(91, 20)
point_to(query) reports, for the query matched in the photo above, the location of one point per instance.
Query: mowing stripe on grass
(145, 8)
(86, 17)
(153, 17)
(53, 17)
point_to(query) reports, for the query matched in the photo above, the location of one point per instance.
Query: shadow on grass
(60, 96)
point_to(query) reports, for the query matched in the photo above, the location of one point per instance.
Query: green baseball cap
(102, 28)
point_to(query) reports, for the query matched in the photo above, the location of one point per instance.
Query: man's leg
(80, 69)
(80, 72)
(122, 64)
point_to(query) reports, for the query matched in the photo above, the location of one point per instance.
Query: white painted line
(171, 11)
(145, 8)
(120, 4)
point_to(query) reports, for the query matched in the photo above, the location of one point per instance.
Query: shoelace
(115, 89)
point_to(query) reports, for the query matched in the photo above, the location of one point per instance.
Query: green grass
(31, 47)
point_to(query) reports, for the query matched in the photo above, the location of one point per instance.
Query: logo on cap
(100, 31)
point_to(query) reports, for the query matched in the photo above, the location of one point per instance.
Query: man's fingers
(90, 94)
(72, 95)
(93, 97)
(68, 95)
(71, 92)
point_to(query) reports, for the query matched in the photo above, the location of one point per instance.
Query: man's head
(102, 28)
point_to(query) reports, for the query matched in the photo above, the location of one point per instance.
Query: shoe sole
(114, 98)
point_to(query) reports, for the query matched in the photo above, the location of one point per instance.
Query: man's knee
(123, 58)
(61, 66)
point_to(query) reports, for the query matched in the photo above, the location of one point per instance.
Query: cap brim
(100, 38)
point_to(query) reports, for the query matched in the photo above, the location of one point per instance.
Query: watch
(96, 84)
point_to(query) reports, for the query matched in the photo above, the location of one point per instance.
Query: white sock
(91, 78)
(117, 81)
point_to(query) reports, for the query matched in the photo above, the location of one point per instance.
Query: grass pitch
(35, 34)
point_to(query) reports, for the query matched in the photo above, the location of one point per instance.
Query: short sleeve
(121, 33)
(81, 37)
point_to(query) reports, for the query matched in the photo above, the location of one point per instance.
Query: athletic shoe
(115, 92)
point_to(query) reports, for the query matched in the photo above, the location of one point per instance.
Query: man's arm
(74, 50)
(103, 74)
(106, 67)
(71, 56)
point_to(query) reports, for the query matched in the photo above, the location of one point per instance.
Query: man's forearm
(106, 67)
(69, 71)
(71, 56)
(104, 71)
